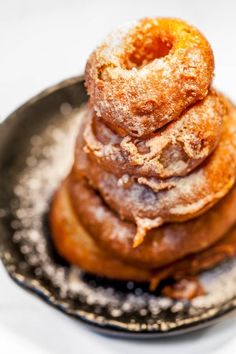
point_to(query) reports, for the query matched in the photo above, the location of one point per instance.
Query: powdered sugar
(134, 309)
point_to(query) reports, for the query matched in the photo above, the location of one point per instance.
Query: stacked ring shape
(151, 193)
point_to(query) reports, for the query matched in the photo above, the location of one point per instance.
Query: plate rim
(111, 329)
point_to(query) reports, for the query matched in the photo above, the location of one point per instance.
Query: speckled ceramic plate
(36, 149)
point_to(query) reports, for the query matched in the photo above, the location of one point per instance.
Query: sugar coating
(146, 75)
(158, 201)
(158, 140)
(175, 151)
(52, 153)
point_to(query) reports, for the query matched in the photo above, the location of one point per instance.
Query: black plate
(36, 149)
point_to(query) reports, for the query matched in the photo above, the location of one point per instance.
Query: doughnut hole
(146, 45)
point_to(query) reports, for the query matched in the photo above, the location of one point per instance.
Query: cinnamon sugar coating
(79, 248)
(151, 202)
(145, 75)
(155, 156)
(162, 246)
(174, 151)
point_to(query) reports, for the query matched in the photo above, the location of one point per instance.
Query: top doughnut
(146, 74)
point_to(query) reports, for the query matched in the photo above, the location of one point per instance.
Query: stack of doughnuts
(152, 193)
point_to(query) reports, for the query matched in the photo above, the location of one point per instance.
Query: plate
(36, 152)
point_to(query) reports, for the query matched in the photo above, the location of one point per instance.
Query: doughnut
(162, 246)
(149, 202)
(151, 194)
(175, 151)
(75, 244)
(146, 74)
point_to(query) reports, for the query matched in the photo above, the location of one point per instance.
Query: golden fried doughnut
(77, 246)
(162, 246)
(149, 202)
(145, 75)
(175, 151)
(155, 155)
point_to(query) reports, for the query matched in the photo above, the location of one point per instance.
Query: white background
(41, 43)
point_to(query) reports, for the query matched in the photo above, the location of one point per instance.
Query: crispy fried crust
(173, 151)
(151, 202)
(80, 249)
(147, 73)
(161, 246)
(155, 156)
(75, 244)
